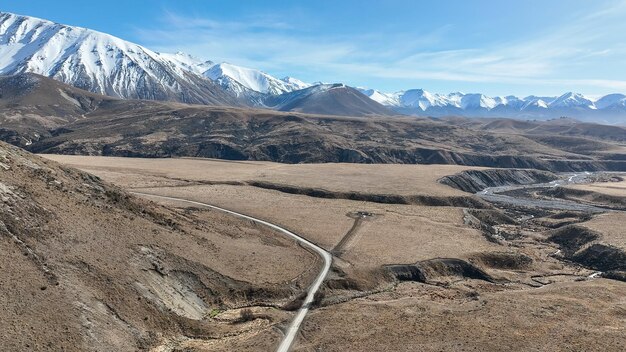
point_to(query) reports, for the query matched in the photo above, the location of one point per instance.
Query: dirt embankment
(487, 221)
(323, 151)
(584, 246)
(418, 199)
(438, 270)
(473, 181)
(585, 196)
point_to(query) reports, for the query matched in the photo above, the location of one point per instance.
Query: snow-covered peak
(509, 101)
(611, 100)
(188, 62)
(570, 99)
(388, 99)
(296, 83)
(97, 61)
(35, 45)
(419, 98)
(473, 101)
(534, 103)
(230, 76)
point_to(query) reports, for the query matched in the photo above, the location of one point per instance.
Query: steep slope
(188, 62)
(473, 181)
(100, 63)
(31, 105)
(328, 99)
(87, 267)
(238, 79)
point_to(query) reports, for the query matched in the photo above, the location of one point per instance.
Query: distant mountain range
(104, 64)
(610, 108)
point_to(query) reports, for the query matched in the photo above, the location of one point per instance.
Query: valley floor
(465, 276)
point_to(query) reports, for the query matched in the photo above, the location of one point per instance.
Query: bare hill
(46, 116)
(31, 105)
(85, 265)
(563, 126)
(328, 99)
(150, 129)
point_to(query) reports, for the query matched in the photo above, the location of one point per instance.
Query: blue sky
(493, 47)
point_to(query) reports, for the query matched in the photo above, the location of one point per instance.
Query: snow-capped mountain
(240, 80)
(328, 99)
(381, 98)
(101, 63)
(610, 108)
(296, 83)
(611, 101)
(188, 62)
(533, 102)
(477, 101)
(572, 100)
(104, 64)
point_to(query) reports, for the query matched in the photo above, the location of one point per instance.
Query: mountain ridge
(100, 63)
(610, 108)
(104, 64)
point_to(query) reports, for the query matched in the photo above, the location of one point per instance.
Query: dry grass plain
(609, 188)
(374, 178)
(410, 233)
(612, 226)
(545, 305)
(86, 267)
(581, 316)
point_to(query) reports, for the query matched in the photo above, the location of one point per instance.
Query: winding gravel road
(294, 327)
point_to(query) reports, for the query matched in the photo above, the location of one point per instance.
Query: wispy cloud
(555, 57)
(178, 22)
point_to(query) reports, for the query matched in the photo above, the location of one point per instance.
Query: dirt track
(294, 327)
